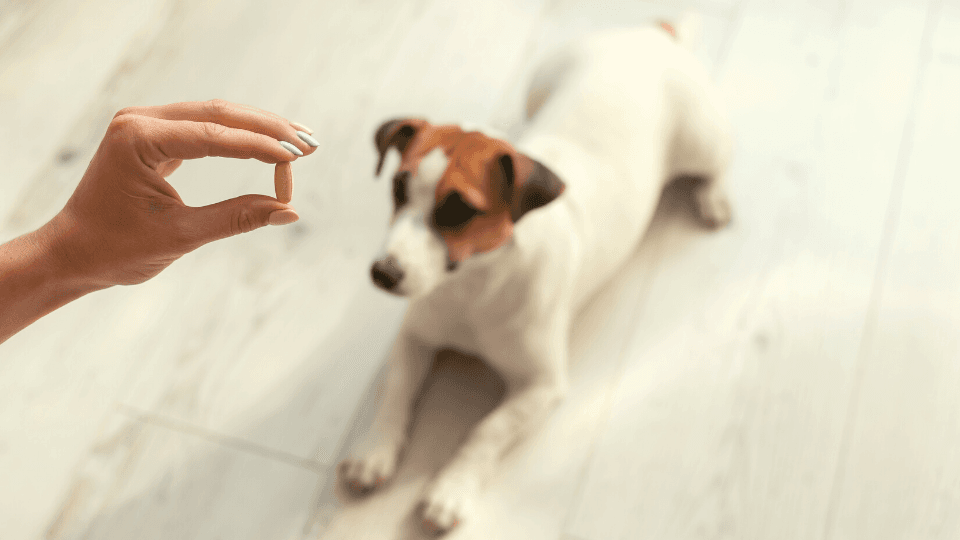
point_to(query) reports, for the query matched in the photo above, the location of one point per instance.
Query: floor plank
(900, 478)
(147, 481)
(55, 57)
(724, 424)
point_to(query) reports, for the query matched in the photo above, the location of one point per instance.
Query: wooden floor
(795, 376)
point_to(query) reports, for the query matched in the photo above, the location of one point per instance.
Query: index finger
(183, 139)
(230, 115)
(296, 125)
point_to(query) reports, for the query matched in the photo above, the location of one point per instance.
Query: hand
(124, 223)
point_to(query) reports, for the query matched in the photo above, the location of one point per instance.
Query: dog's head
(456, 193)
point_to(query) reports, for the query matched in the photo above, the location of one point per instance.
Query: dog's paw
(371, 468)
(713, 207)
(447, 502)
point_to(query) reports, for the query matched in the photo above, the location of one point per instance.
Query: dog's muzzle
(386, 273)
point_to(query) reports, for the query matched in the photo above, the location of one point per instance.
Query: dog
(497, 245)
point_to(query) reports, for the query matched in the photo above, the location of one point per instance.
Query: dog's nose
(386, 273)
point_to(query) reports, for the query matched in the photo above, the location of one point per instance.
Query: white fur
(420, 252)
(615, 116)
(486, 130)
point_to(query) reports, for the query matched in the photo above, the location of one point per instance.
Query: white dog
(498, 246)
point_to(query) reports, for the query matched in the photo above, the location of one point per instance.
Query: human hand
(124, 223)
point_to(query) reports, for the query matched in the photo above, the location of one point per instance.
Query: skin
(125, 223)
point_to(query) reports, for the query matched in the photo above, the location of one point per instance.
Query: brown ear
(395, 133)
(503, 175)
(540, 187)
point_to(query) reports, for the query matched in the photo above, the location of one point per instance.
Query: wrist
(35, 279)
(62, 255)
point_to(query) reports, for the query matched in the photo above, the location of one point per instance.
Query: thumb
(235, 216)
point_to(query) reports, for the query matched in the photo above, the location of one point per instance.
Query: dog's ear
(540, 187)
(503, 178)
(395, 133)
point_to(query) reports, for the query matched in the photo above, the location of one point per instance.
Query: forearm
(33, 282)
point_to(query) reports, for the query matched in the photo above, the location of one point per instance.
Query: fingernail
(301, 127)
(293, 149)
(308, 139)
(283, 217)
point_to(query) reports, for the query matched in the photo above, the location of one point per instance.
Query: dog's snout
(386, 273)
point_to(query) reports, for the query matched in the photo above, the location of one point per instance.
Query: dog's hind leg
(711, 202)
(703, 149)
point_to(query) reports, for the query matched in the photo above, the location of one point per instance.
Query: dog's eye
(454, 213)
(400, 181)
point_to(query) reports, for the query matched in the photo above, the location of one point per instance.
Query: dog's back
(617, 115)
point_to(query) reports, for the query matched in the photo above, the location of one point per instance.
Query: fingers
(296, 125)
(202, 225)
(164, 135)
(230, 115)
(159, 141)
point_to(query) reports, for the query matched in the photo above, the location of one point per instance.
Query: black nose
(386, 273)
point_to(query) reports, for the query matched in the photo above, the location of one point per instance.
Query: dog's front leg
(374, 460)
(450, 496)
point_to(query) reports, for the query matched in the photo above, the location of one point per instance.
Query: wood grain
(898, 476)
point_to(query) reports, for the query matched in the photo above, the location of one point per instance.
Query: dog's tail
(687, 30)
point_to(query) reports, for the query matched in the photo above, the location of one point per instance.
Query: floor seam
(234, 443)
(890, 224)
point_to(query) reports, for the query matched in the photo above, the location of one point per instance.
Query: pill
(283, 181)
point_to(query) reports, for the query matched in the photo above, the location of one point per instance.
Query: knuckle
(243, 222)
(217, 107)
(125, 111)
(121, 122)
(210, 133)
(212, 130)
(127, 126)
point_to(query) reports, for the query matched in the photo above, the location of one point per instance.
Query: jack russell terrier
(499, 245)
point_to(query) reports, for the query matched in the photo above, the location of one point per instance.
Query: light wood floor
(795, 376)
